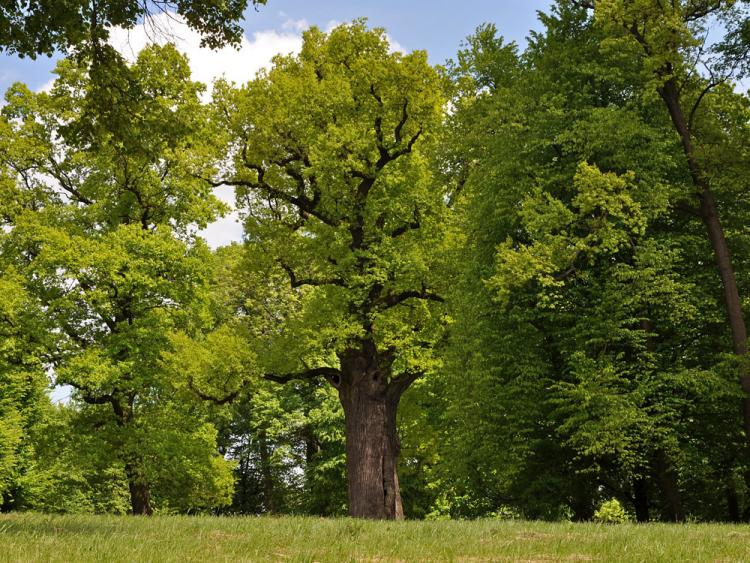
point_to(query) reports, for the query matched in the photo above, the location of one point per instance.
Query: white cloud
(395, 46)
(235, 64)
(47, 86)
(295, 25)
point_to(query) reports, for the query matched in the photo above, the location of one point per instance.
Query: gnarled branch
(333, 375)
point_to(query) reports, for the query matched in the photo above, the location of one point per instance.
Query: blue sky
(437, 26)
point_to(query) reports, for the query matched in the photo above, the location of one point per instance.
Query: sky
(435, 25)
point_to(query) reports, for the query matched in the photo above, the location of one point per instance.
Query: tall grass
(37, 537)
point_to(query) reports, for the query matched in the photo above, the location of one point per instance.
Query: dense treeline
(510, 286)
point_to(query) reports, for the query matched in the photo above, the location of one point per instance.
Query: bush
(611, 512)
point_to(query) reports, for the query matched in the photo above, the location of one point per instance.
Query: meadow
(32, 537)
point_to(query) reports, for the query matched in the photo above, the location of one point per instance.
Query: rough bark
(710, 216)
(370, 402)
(140, 494)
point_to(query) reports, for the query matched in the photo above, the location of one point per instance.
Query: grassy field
(35, 537)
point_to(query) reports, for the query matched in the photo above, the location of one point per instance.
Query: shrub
(611, 512)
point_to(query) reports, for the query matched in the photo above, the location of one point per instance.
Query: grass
(37, 537)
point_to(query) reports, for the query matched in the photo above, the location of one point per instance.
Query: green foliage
(104, 240)
(354, 206)
(40, 27)
(531, 263)
(611, 512)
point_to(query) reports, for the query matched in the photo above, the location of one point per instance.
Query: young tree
(329, 154)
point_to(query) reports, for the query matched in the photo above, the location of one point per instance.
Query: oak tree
(330, 159)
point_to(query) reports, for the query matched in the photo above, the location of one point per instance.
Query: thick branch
(299, 282)
(398, 298)
(333, 375)
(411, 226)
(228, 398)
(401, 383)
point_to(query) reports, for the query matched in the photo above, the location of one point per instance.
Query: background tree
(595, 383)
(671, 42)
(104, 238)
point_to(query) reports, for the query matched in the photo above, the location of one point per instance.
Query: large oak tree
(330, 159)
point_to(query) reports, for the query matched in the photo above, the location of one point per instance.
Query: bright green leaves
(22, 377)
(337, 187)
(217, 366)
(108, 197)
(601, 219)
(138, 162)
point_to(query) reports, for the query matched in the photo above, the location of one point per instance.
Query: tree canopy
(512, 285)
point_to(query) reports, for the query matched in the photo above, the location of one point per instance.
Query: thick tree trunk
(710, 216)
(372, 447)
(140, 495)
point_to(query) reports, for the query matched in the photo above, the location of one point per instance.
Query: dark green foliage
(41, 27)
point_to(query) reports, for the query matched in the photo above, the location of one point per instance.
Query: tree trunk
(140, 495)
(670, 491)
(640, 499)
(269, 492)
(710, 216)
(582, 499)
(372, 447)
(733, 504)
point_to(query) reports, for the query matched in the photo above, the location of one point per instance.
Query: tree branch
(299, 282)
(395, 299)
(413, 225)
(228, 398)
(333, 375)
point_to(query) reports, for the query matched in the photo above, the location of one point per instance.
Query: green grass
(36, 537)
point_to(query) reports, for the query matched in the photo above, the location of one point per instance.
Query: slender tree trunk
(667, 474)
(710, 216)
(733, 504)
(269, 491)
(582, 499)
(372, 446)
(640, 499)
(140, 495)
